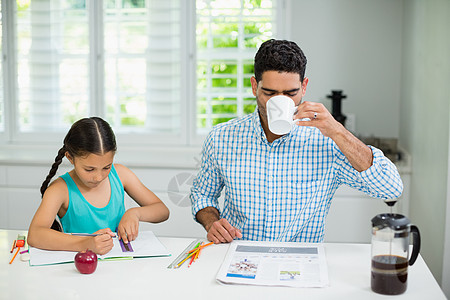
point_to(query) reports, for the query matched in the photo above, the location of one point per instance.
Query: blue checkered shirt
(281, 191)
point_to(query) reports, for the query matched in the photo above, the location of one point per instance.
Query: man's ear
(304, 84)
(254, 85)
(69, 157)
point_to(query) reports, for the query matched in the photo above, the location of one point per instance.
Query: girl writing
(90, 198)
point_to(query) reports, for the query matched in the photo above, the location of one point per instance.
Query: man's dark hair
(281, 56)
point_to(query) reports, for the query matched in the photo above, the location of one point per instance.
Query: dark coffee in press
(389, 274)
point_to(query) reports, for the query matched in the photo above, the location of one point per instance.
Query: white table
(149, 278)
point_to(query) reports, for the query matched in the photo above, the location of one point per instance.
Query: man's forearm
(358, 154)
(207, 216)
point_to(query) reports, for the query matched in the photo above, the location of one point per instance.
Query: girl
(90, 198)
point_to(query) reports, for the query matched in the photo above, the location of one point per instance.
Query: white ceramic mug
(280, 110)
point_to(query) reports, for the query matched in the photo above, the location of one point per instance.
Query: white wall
(424, 115)
(353, 45)
(391, 57)
(446, 263)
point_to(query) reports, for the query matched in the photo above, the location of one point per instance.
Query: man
(279, 188)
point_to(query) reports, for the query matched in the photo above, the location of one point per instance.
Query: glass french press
(391, 234)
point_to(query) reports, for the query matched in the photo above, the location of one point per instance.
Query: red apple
(86, 262)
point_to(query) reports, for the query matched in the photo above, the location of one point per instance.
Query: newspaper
(274, 264)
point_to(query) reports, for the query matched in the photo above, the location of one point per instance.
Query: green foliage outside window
(223, 26)
(223, 84)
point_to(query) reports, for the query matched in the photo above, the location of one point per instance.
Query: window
(142, 65)
(160, 71)
(228, 34)
(52, 44)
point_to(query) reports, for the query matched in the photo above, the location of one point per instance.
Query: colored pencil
(192, 259)
(181, 262)
(191, 255)
(13, 246)
(91, 234)
(17, 251)
(201, 247)
(197, 254)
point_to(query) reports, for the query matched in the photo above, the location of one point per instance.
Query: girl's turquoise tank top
(82, 217)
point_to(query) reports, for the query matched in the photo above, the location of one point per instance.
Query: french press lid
(393, 221)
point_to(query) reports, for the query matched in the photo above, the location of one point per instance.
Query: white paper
(274, 264)
(145, 245)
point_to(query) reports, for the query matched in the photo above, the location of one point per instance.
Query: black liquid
(389, 274)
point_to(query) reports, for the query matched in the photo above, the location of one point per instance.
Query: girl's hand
(103, 243)
(129, 225)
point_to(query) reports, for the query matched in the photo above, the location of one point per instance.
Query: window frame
(188, 135)
(282, 22)
(8, 57)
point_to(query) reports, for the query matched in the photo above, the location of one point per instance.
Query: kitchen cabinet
(348, 219)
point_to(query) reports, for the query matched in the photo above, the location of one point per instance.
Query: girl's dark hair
(281, 56)
(86, 136)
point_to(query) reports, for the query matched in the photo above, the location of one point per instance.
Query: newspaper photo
(274, 264)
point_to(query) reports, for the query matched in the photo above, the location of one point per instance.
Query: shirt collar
(257, 126)
(259, 132)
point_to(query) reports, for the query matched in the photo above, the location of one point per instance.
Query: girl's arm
(40, 234)
(151, 209)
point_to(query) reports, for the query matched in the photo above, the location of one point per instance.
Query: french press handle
(416, 244)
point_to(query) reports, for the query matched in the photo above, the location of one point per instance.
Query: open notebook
(146, 245)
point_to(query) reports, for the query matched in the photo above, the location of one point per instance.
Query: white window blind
(52, 43)
(228, 35)
(119, 59)
(142, 65)
(160, 71)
